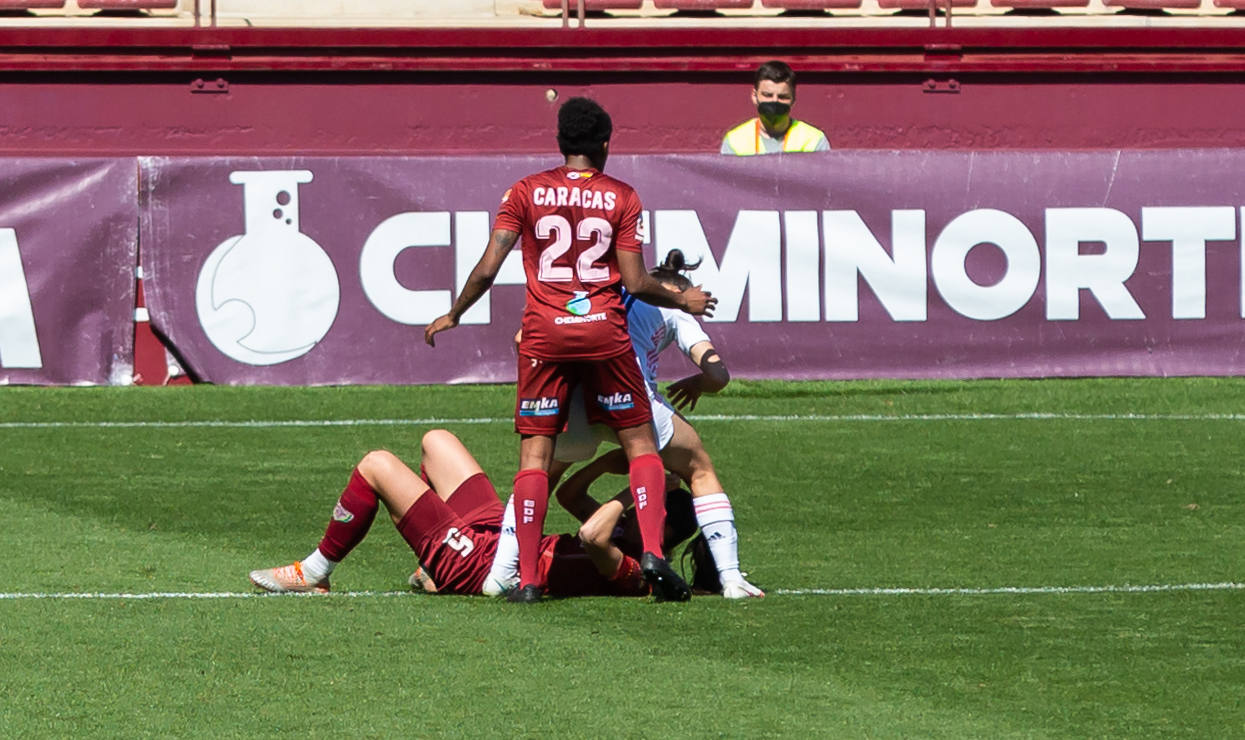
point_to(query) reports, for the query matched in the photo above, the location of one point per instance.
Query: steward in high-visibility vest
(773, 131)
(749, 138)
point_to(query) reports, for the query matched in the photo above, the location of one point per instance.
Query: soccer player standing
(581, 234)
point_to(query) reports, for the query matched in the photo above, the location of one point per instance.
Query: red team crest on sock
(341, 514)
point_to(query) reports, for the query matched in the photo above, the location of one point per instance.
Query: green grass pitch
(840, 489)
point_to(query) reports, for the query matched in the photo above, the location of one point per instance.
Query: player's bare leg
(379, 477)
(446, 461)
(648, 490)
(685, 455)
(531, 497)
(394, 483)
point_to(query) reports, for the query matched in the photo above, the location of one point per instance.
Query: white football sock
(316, 567)
(717, 521)
(506, 561)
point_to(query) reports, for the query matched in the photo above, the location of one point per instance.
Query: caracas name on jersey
(572, 223)
(568, 196)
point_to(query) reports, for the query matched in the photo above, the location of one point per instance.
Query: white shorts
(580, 440)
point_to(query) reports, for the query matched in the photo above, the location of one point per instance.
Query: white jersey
(652, 329)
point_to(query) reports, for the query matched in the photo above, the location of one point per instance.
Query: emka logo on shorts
(542, 406)
(615, 401)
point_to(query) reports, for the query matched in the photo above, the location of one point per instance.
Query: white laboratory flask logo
(269, 295)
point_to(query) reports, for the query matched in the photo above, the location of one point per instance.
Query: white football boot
(741, 589)
(288, 579)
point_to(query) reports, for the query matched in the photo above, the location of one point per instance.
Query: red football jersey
(570, 223)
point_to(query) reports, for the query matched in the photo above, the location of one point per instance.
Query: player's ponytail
(703, 578)
(673, 268)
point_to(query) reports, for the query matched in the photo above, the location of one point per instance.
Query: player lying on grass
(652, 330)
(608, 542)
(450, 515)
(607, 527)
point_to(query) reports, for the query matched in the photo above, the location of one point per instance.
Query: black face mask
(772, 110)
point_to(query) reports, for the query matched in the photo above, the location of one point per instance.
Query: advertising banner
(68, 248)
(845, 264)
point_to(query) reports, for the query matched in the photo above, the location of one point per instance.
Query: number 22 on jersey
(559, 229)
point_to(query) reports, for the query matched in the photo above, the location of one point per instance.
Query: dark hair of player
(704, 578)
(583, 127)
(775, 71)
(680, 516)
(671, 271)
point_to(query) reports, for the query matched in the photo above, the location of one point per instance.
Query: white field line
(1124, 589)
(444, 421)
(223, 424)
(1013, 590)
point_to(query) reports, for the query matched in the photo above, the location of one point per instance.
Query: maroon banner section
(68, 248)
(836, 265)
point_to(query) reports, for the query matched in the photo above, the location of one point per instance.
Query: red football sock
(648, 489)
(531, 503)
(352, 517)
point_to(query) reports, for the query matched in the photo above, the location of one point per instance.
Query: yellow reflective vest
(745, 139)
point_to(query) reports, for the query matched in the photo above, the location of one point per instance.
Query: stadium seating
(596, 4)
(127, 4)
(924, 4)
(1153, 4)
(810, 4)
(1039, 4)
(702, 4)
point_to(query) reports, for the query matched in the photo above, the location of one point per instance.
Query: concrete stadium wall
(213, 91)
(321, 113)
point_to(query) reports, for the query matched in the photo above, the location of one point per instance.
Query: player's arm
(478, 282)
(713, 377)
(649, 289)
(573, 494)
(598, 532)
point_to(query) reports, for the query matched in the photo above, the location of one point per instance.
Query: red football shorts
(614, 393)
(456, 539)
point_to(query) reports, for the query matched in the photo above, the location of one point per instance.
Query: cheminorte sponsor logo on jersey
(542, 406)
(580, 304)
(615, 401)
(580, 308)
